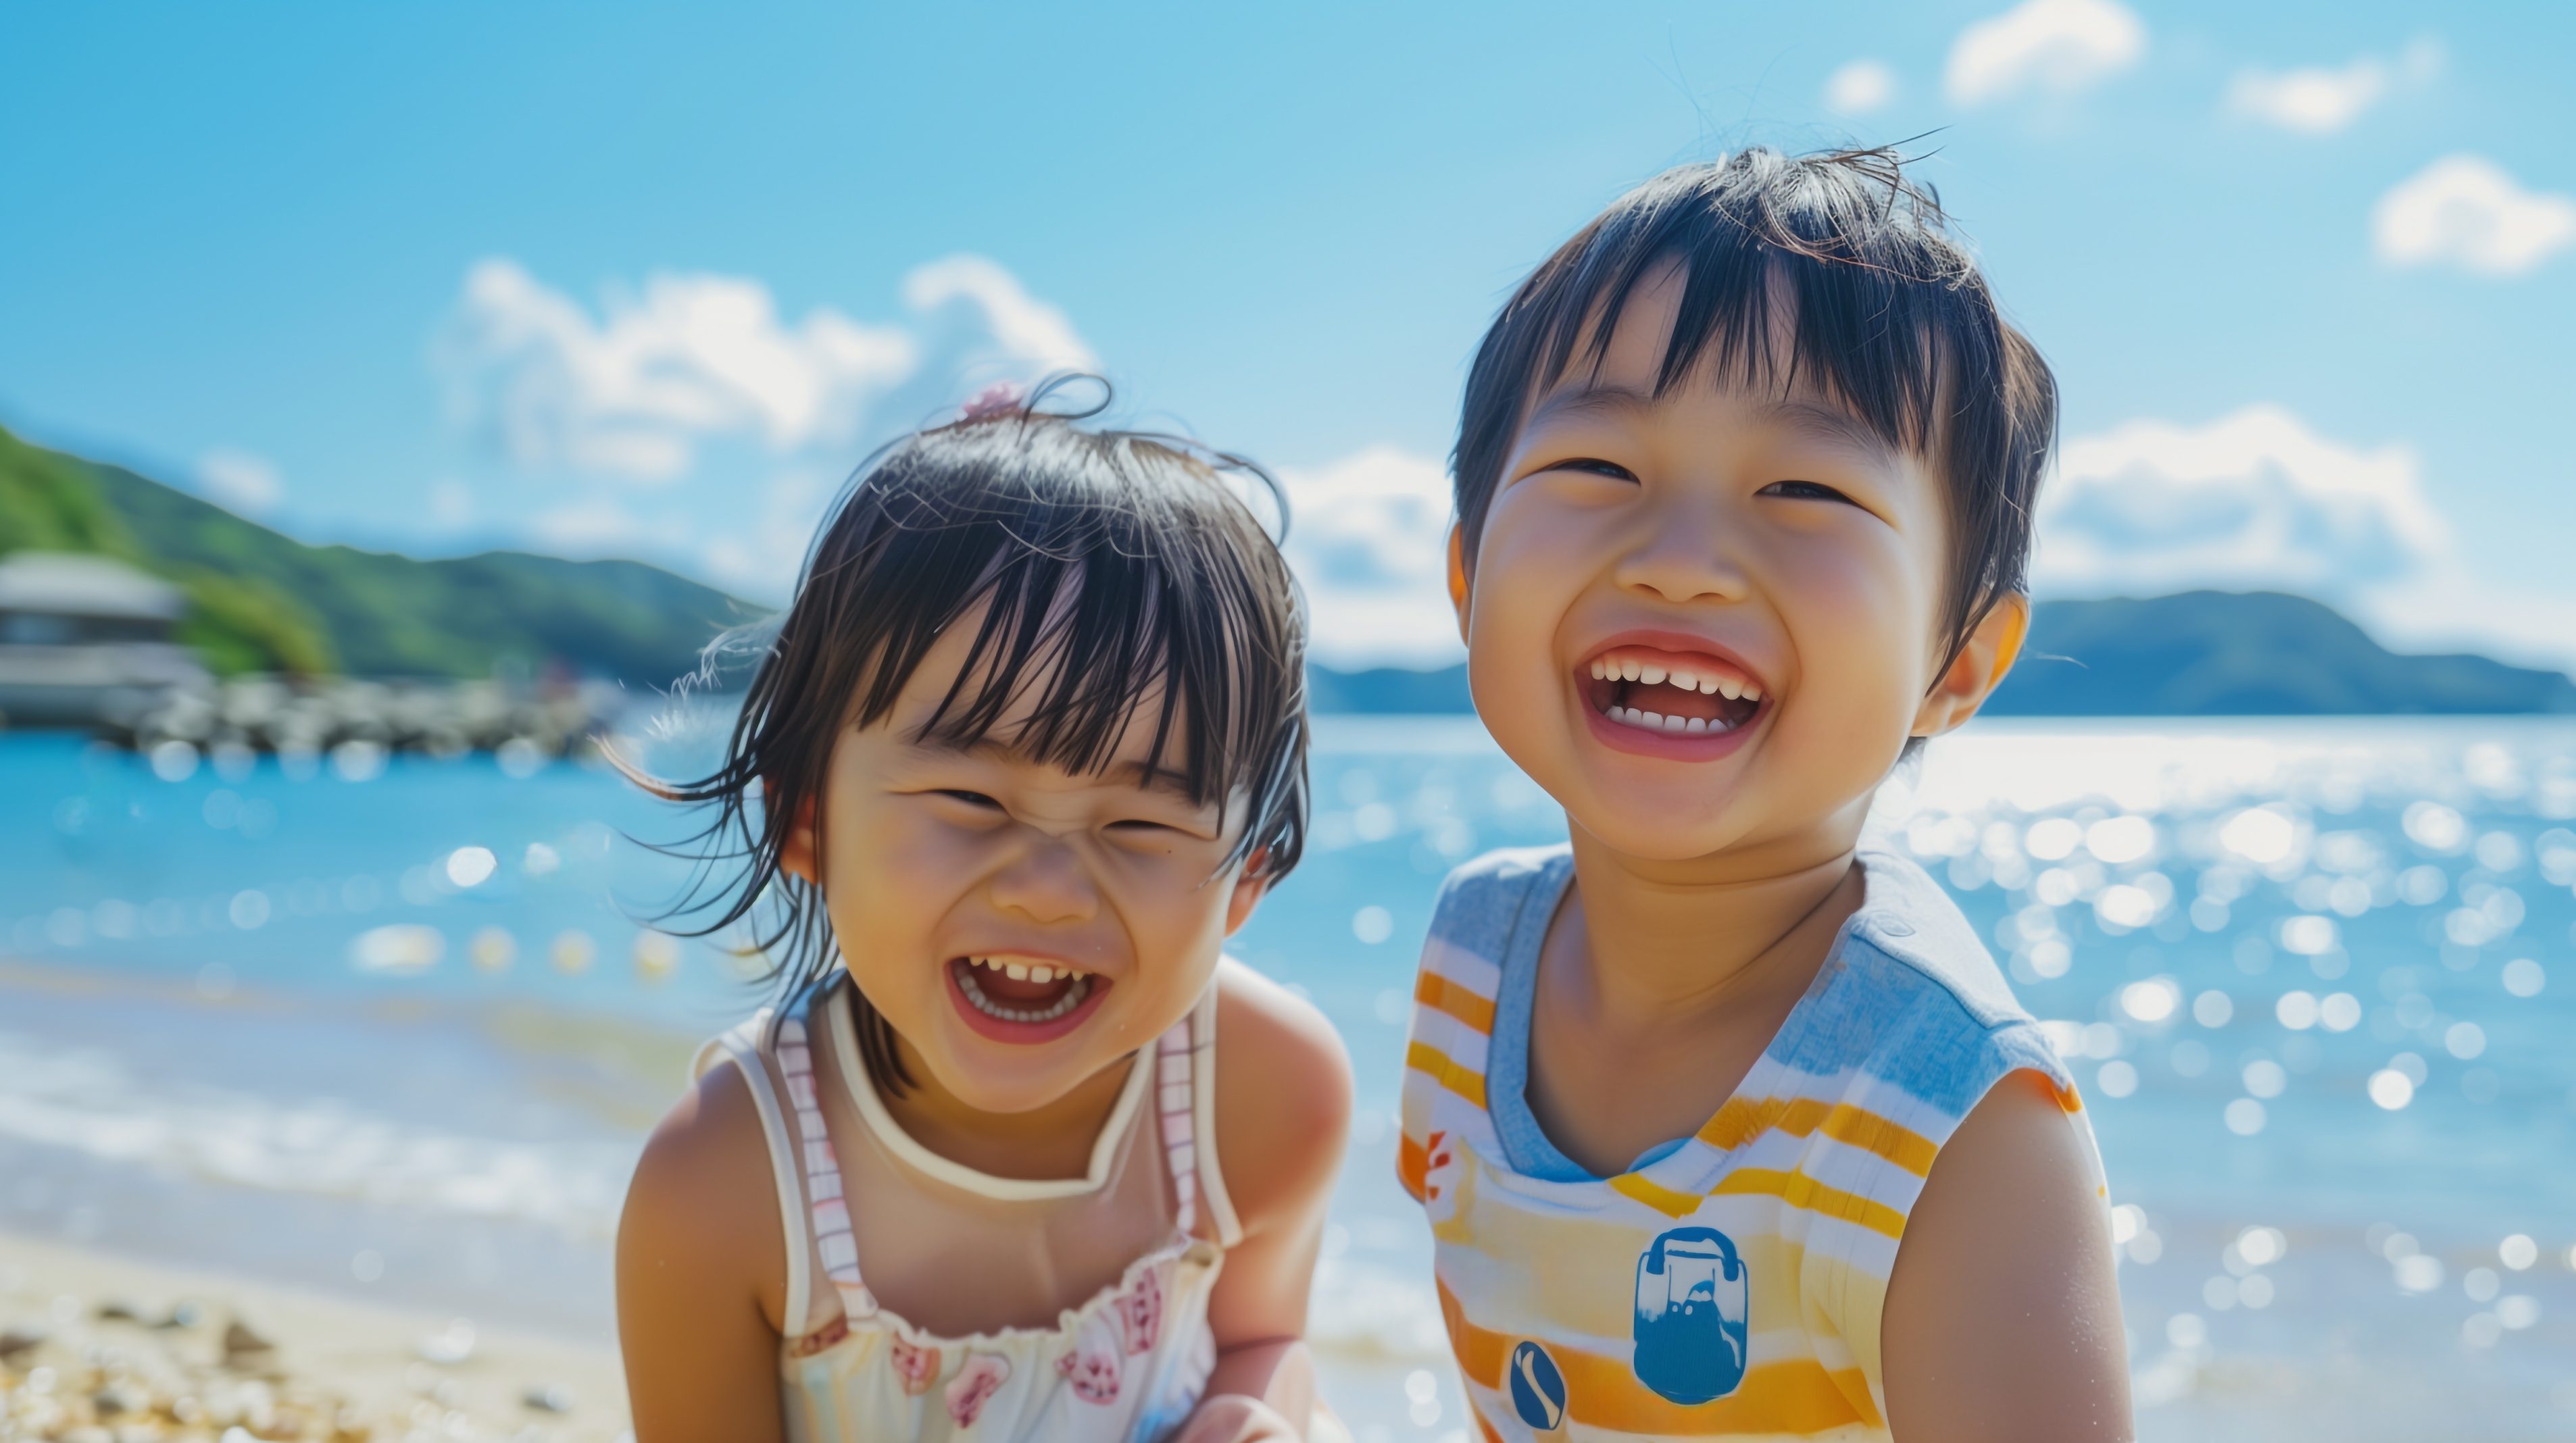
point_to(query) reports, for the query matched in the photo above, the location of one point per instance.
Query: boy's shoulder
(1482, 900)
(1283, 1094)
(1918, 1001)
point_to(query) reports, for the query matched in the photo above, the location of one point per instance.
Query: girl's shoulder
(703, 1205)
(1283, 1095)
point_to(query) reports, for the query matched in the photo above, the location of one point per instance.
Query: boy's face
(1707, 622)
(1021, 926)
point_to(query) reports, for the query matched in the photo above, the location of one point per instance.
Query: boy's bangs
(1762, 308)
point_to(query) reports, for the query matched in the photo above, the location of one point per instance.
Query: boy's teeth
(1628, 671)
(1730, 689)
(1752, 693)
(1651, 674)
(1041, 974)
(1016, 972)
(1683, 679)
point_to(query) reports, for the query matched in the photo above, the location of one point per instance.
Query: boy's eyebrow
(1590, 400)
(1829, 423)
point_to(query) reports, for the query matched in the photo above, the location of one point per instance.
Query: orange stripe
(1424, 1058)
(1474, 1009)
(1662, 1199)
(1797, 1396)
(1801, 1191)
(1741, 1120)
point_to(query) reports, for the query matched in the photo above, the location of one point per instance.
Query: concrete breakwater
(302, 718)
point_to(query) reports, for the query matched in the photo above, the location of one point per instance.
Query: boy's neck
(1661, 937)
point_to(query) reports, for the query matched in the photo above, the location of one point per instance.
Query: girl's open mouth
(1671, 694)
(1022, 999)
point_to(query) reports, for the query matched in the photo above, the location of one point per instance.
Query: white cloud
(246, 483)
(2055, 45)
(2465, 211)
(1860, 87)
(591, 525)
(2251, 501)
(634, 391)
(1369, 540)
(2313, 100)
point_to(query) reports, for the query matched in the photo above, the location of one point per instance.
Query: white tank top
(1128, 1364)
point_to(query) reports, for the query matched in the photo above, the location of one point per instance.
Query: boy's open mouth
(1671, 693)
(1023, 999)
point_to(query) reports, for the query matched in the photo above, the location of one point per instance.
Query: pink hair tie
(995, 399)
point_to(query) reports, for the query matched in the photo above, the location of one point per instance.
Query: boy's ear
(796, 852)
(1458, 577)
(1979, 668)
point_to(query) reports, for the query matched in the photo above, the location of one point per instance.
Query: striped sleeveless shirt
(1729, 1284)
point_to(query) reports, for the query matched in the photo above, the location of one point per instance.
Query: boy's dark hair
(1120, 559)
(1891, 317)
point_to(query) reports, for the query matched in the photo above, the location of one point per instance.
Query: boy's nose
(1681, 554)
(1046, 883)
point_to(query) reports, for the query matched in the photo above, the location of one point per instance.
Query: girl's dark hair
(1888, 314)
(1113, 562)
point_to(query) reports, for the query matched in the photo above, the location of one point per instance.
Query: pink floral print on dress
(915, 1368)
(1140, 1312)
(982, 1376)
(1097, 1362)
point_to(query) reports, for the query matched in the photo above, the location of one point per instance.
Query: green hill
(2216, 653)
(260, 601)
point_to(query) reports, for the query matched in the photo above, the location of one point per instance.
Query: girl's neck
(1045, 1143)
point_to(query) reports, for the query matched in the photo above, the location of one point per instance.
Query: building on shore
(86, 641)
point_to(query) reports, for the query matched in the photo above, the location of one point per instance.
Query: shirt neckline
(1526, 1146)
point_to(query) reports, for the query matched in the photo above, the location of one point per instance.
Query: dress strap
(741, 1047)
(1185, 1067)
(833, 1241)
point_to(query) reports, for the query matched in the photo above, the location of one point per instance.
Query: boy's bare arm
(1283, 1105)
(701, 1268)
(2003, 1315)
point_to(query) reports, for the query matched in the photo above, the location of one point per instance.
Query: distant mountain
(2202, 653)
(2216, 653)
(260, 601)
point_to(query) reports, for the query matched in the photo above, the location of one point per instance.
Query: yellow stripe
(1472, 1008)
(1430, 1061)
(1794, 1396)
(1743, 1119)
(1801, 1191)
(1661, 1199)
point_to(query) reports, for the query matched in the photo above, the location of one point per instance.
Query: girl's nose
(1046, 883)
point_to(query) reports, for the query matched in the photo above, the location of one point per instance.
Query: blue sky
(648, 280)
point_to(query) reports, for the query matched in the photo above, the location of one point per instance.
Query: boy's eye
(972, 799)
(1805, 491)
(1595, 466)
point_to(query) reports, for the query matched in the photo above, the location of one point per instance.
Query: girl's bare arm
(2003, 1314)
(701, 1270)
(1283, 1106)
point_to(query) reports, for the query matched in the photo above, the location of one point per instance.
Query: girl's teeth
(1071, 999)
(1730, 689)
(1628, 671)
(1708, 685)
(1651, 675)
(1041, 974)
(1685, 680)
(1016, 972)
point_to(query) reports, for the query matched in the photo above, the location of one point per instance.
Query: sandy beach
(100, 1349)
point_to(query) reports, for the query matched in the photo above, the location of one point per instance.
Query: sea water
(398, 1026)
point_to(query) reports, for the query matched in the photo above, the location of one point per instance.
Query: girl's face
(1022, 927)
